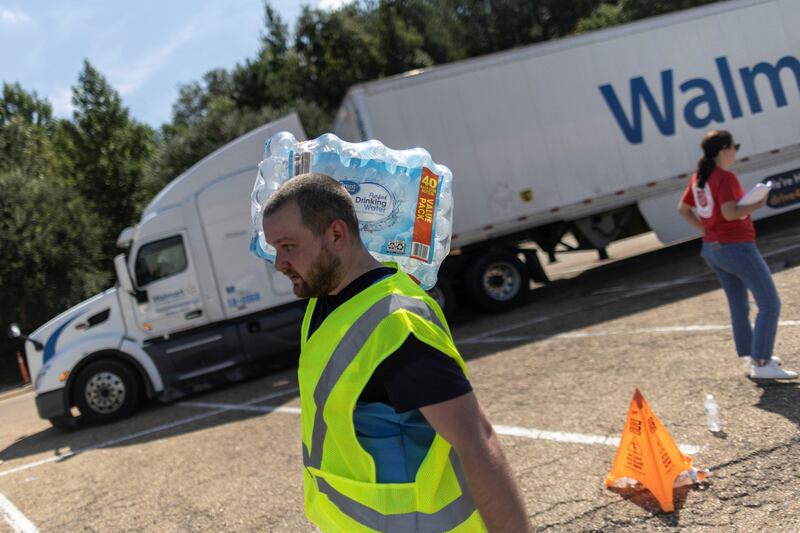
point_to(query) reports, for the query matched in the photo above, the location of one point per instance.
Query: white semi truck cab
(191, 309)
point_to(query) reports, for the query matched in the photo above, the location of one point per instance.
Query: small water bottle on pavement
(712, 414)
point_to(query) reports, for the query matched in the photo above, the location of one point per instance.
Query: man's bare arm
(463, 424)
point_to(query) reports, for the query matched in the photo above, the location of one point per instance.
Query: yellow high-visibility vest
(336, 362)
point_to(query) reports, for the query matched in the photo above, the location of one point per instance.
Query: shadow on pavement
(598, 294)
(645, 499)
(782, 398)
(156, 420)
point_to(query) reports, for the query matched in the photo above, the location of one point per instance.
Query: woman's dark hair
(714, 142)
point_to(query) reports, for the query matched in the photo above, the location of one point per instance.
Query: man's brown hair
(321, 200)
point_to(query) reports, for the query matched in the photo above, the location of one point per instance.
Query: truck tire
(443, 293)
(107, 390)
(497, 280)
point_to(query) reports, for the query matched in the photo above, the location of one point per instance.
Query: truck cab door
(169, 299)
(178, 336)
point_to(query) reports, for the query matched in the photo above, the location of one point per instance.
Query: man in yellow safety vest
(393, 437)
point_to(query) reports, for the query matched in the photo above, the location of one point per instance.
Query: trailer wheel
(497, 280)
(443, 293)
(107, 390)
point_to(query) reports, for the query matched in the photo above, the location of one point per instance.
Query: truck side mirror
(125, 237)
(15, 333)
(125, 281)
(123, 276)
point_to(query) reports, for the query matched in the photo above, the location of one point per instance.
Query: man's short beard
(323, 276)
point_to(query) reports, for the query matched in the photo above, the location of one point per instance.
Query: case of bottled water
(403, 200)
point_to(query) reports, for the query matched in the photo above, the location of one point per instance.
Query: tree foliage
(622, 11)
(49, 248)
(66, 190)
(108, 151)
(26, 127)
(311, 69)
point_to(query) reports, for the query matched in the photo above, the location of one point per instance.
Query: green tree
(444, 39)
(639, 9)
(49, 239)
(222, 122)
(270, 79)
(400, 41)
(26, 131)
(50, 248)
(194, 98)
(108, 151)
(17, 103)
(335, 49)
(331, 50)
(483, 27)
(622, 11)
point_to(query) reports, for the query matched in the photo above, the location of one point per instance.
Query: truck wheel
(497, 280)
(443, 293)
(106, 390)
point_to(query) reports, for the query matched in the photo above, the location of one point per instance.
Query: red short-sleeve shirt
(722, 186)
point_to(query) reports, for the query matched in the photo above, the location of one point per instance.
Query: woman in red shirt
(710, 204)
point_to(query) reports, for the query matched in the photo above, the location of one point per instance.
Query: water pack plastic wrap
(403, 200)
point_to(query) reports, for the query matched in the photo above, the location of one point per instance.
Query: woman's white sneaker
(770, 371)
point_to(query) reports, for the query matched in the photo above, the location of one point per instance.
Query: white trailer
(594, 134)
(192, 307)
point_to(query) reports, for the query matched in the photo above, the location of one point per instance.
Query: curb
(15, 390)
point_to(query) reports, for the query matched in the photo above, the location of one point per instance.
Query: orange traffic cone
(648, 454)
(23, 370)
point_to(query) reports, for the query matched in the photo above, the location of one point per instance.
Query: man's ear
(338, 235)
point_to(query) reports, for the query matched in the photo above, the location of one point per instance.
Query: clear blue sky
(145, 48)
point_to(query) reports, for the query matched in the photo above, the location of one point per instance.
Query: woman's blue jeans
(740, 267)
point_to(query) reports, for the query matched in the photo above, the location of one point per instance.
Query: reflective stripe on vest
(450, 516)
(445, 519)
(347, 350)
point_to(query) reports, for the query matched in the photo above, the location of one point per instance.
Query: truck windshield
(160, 259)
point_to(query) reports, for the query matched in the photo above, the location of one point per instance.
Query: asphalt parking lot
(555, 375)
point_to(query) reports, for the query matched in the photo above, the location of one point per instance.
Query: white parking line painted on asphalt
(510, 431)
(138, 434)
(18, 522)
(612, 332)
(243, 407)
(638, 290)
(575, 438)
(635, 292)
(516, 325)
(112, 442)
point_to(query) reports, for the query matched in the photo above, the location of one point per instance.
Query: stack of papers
(756, 194)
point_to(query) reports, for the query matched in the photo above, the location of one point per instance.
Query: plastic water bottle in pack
(403, 200)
